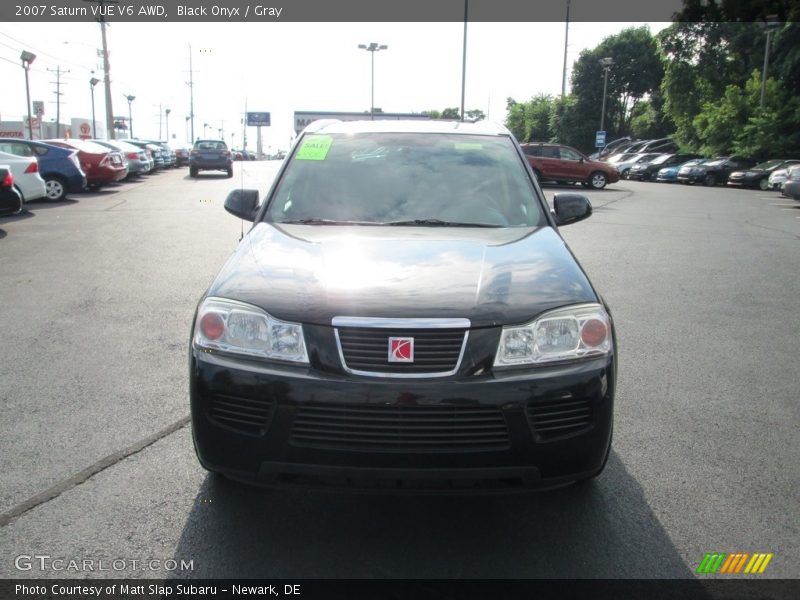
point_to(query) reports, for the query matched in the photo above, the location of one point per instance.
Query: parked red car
(556, 162)
(101, 165)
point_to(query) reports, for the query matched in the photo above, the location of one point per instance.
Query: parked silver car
(138, 161)
(791, 187)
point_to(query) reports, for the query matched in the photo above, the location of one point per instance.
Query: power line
(58, 94)
(39, 52)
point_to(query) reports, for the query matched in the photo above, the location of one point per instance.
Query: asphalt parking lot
(97, 297)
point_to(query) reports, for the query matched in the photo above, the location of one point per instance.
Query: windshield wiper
(324, 222)
(438, 223)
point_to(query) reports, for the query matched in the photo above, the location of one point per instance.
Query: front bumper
(690, 178)
(638, 175)
(303, 426)
(743, 182)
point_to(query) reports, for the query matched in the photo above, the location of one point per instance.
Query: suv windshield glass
(661, 159)
(410, 178)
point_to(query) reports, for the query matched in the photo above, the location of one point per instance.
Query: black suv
(404, 315)
(210, 155)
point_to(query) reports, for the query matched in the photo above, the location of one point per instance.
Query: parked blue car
(59, 167)
(670, 174)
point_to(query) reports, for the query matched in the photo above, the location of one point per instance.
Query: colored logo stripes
(734, 563)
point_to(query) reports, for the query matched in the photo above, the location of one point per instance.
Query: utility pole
(244, 127)
(564, 72)
(106, 66)
(606, 63)
(58, 94)
(191, 94)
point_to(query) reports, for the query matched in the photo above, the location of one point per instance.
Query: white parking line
(785, 205)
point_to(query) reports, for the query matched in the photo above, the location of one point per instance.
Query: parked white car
(623, 162)
(777, 178)
(27, 180)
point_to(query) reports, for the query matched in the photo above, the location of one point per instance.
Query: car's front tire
(192, 172)
(598, 180)
(230, 173)
(763, 185)
(710, 179)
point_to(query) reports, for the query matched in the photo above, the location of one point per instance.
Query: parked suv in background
(210, 155)
(555, 162)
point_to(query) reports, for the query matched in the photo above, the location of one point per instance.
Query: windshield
(694, 162)
(647, 158)
(406, 178)
(769, 165)
(662, 159)
(621, 157)
(716, 162)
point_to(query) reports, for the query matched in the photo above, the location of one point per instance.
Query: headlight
(562, 334)
(241, 328)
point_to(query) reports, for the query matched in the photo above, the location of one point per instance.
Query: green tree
(635, 75)
(738, 123)
(713, 45)
(476, 114)
(530, 121)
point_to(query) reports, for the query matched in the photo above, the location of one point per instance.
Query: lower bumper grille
(559, 418)
(400, 428)
(245, 415)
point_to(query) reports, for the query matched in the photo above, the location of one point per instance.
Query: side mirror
(242, 203)
(571, 208)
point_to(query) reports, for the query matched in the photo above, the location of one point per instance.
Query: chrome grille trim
(409, 325)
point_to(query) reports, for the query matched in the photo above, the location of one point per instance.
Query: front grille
(558, 418)
(400, 428)
(245, 415)
(366, 349)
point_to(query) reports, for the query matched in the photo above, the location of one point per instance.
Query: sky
(284, 67)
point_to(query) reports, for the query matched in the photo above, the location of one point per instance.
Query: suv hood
(310, 274)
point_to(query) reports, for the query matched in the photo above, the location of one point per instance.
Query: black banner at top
(411, 589)
(189, 11)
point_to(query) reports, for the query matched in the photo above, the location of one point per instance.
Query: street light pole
(372, 49)
(566, 43)
(606, 64)
(166, 120)
(27, 58)
(93, 82)
(130, 99)
(770, 24)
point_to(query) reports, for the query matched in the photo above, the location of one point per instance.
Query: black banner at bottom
(416, 589)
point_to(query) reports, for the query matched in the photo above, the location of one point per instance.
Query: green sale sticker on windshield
(315, 147)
